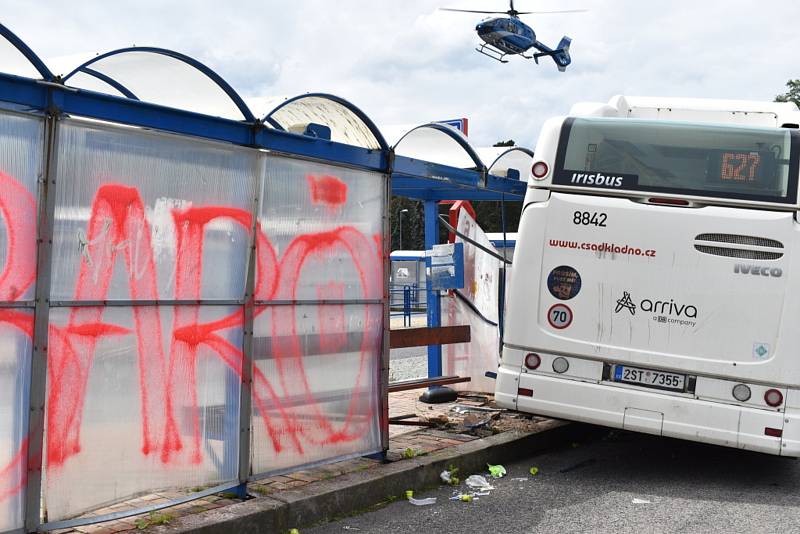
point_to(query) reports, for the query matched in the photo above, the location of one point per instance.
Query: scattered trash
(640, 501)
(422, 502)
(534, 471)
(463, 497)
(449, 476)
(584, 463)
(521, 479)
(409, 494)
(466, 498)
(482, 493)
(348, 527)
(497, 471)
(294, 531)
(409, 453)
(478, 482)
(467, 409)
(473, 421)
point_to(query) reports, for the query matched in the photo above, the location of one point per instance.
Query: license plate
(649, 378)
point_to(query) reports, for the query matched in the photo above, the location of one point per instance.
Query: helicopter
(505, 36)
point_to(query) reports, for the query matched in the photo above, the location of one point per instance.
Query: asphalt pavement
(613, 482)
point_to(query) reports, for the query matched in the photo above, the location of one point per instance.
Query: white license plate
(649, 378)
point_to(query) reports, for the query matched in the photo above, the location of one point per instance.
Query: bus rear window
(759, 164)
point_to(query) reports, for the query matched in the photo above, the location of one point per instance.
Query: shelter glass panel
(21, 157)
(140, 400)
(144, 216)
(315, 384)
(321, 232)
(16, 334)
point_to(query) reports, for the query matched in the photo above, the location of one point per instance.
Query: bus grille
(740, 246)
(739, 253)
(740, 240)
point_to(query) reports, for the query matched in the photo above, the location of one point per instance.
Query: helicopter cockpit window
(512, 27)
(737, 162)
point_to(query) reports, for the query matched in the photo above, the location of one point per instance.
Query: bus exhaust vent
(740, 240)
(740, 246)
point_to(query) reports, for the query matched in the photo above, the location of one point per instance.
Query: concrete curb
(360, 490)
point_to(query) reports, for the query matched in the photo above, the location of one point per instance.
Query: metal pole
(385, 352)
(435, 394)
(41, 325)
(245, 391)
(402, 212)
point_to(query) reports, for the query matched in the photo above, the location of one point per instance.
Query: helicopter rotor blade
(472, 11)
(551, 12)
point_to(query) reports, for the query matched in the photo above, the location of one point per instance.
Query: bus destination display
(751, 169)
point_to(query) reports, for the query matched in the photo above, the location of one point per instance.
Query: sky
(405, 62)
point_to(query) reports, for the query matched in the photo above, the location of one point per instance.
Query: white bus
(656, 277)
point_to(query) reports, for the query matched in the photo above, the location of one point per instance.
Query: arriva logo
(742, 268)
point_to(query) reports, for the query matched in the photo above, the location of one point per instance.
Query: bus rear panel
(652, 286)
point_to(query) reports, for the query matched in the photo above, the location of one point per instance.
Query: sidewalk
(467, 432)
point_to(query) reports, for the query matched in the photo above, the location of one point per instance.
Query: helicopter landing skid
(492, 52)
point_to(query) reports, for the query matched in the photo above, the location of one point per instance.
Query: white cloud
(405, 62)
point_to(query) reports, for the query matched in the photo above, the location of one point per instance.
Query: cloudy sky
(404, 62)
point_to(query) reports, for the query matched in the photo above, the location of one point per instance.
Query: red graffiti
(327, 190)
(118, 229)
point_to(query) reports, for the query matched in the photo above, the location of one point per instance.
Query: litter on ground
(478, 482)
(422, 502)
(497, 471)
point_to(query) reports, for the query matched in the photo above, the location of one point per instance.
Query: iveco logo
(742, 268)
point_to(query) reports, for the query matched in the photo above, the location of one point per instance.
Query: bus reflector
(525, 392)
(773, 398)
(774, 432)
(668, 201)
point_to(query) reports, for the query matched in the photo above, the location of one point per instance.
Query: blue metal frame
(527, 151)
(216, 78)
(110, 81)
(25, 50)
(434, 306)
(333, 98)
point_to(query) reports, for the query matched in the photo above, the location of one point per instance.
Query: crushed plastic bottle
(422, 502)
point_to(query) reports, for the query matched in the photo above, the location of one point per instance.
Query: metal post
(400, 216)
(245, 391)
(41, 325)
(435, 394)
(385, 352)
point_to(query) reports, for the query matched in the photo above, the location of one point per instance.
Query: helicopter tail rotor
(561, 54)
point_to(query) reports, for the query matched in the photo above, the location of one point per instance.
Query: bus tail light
(540, 170)
(774, 432)
(525, 392)
(773, 398)
(532, 361)
(668, 201)
(741, 392)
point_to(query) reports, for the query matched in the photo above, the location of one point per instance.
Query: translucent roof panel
(94, 83)
(513, 158)
(161, 77)
(347, 123)
(439, 143)
(17, 59)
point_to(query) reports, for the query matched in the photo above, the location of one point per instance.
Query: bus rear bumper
(651, 412)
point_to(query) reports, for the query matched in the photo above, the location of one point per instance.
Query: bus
(654, 286)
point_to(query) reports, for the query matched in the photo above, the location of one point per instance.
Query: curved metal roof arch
(519, 158)
(425, 148)
(16, 43)
(134, 88)
(348, 124)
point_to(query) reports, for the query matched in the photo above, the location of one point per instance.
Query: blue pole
(434, 312)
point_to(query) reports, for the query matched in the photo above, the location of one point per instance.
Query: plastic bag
(478, 482)
(497, 471)
(422, 502)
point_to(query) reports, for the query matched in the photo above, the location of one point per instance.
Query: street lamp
(402, 212)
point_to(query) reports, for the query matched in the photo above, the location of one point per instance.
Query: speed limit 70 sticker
(559, 316)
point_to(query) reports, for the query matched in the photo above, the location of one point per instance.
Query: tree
(792, 95)
(510, 142)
